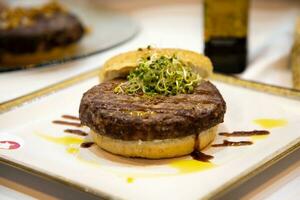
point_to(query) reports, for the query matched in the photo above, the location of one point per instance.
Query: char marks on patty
(140, 117)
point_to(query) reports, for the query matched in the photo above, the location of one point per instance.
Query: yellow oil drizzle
(189, 166)
(183, 166)
(259, 137)
(89, 162)
(130, 179)
(72, 150)
(66, 140)
(270, 123)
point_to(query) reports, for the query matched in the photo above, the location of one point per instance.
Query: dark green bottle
(225, 33)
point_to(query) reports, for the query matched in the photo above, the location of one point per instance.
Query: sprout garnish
(160, 75)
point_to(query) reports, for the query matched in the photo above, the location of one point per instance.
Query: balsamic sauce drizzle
(70, 117)
(76, 132)
(198, 155)
(86, 144)
(61, 122)
(232, 143)
(245, 133)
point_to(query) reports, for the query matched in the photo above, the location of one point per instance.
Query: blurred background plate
(105, 29)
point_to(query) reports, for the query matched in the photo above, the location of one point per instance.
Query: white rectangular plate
(46, 150)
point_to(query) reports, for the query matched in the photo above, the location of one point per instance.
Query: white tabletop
(174, 24)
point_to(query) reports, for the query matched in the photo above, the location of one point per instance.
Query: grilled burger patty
(61, 29)
(138, 117)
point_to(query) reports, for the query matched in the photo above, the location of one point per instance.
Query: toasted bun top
(120, 65)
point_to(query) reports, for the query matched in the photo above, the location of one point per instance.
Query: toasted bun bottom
(156, 149)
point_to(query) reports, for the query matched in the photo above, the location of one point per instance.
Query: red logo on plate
(9, 145)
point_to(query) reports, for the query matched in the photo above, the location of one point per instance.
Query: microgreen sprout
(160, 75)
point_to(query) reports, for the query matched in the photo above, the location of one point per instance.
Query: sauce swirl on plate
(245, 133)
(232, 143)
